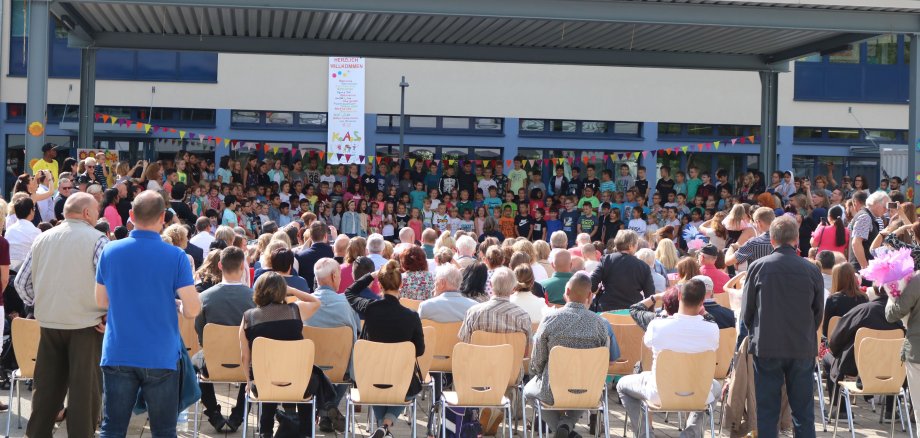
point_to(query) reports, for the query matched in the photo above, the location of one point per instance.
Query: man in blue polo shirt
(138, 279)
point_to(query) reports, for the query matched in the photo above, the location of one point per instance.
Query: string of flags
(186, 137)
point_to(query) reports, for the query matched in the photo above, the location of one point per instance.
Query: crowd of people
(102, 254)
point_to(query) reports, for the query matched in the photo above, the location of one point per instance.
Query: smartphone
(892, 205)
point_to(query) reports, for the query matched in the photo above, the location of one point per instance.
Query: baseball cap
(710, 250)
(706, 281)
(49, 146)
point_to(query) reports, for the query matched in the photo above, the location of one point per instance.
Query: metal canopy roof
(709, 34)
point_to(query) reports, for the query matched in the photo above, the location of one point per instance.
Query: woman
(543, 250)
(388, 321)
(687, 268)
(490, 229)
(526, 247)
(715, 231)
(846, 294)
(523, 294)
(30, 186)
(109, 208)
(177, 235)
(860, 184)
(666, 254)
(832, 235)
(272, 318)
(417, 282)
(473, 284)
(357, 247)
(738, 225)
(153, 174)
(209, 273)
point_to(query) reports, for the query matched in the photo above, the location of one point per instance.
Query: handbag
(189, 391)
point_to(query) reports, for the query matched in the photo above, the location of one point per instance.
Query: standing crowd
(108, 256)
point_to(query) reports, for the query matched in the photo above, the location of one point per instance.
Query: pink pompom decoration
(889, 269)
(696, 244)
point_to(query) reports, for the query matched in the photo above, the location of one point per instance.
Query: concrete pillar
(913, 133)
(784, 147)
(650, 160)
(769, 81)
(85, 137)
(39, 34)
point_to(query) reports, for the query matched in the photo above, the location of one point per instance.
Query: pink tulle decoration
(696, 244)
(889, 268)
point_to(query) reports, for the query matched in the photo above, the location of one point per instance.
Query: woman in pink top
(357, 247)
(109, 212)
(831, 235)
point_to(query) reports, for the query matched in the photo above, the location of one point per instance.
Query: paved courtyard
(866, 422)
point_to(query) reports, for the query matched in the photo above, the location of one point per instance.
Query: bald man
(554, 286)
(573, 326)
(57, 278)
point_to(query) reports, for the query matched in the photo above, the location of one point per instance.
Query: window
(883, 135)
(532, 125)
(731, 130)
(626, 128)
(245, 117)
(487, 153)
(811, 58)
(700, 130)
(279, 120)
(594, 127)
(15, 111)
(669, 129)
(454, 153)
(455, 123)
(421, 152)
(843, 134)
(808, 133)
(578, 128)
(59, 113)
(847, 56)
(488, 124)
(286, 119)
(312, 119)
(907, 49)
(562, 126)
(423, 122)
(882, 50)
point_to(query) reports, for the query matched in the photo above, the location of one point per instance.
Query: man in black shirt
(467, 180)
(591, 180)
(523, 222)
(539, 226)
(178, 204)
(722, 176)
(626, 279)
(665, 184)
(641, 184)
(369, 180)
(65, 188)
(576, 184)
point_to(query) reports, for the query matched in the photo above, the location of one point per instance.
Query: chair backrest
(728, 337)
(684, 379)
(647, 358)
(879, 363)
(613, 318)
(723, 299)
(424, 361)
(832, 325)
(333, 349)
(445, 338)
(577, 376)
(409, 303)
(189, 335)
(518, 343)
(629, 339)
(222, 353)
(281, 369)
(383, 371)
(26, 333)
(864, 333)
(481, 373)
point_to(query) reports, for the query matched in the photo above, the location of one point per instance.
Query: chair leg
(18, 404)
(523, 413)
(906, 414)
(820, 396)
(607, 418)
(837, 412)
(246, 414)
(846, 395)
(712, 423)
(539, 415)
(9, 413)
(443, 419)
(414, 417)
(648, 432)
(197, 403)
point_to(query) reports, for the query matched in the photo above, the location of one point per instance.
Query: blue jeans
(797, 374)
(120, 385)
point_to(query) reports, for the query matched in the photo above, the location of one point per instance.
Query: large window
(806, 134)
(705, 131)
(306, 121)
(578, 128)
(418, 124)
(170, 117)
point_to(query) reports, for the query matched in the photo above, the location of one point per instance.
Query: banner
(345, 135)
(110, 156)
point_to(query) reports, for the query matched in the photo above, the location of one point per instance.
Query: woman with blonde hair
(177, 236)
(738, 225)
(543, 250)
(445, 240)
(526, 247)
(666, 254)
(715, 231)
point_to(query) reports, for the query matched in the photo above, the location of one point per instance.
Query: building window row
(708, 131)
(279, 119)
(172, 117)
(579, 128)
(805, 134)
(419, 124)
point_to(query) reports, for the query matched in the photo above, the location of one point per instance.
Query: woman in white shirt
(523, 294)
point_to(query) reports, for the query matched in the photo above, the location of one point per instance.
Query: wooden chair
(832, 325)
(445, 338)
(518, 343)
(26, 334)
(382, 375)
(424, 361)
(223, 359)
(728, 337)
(578, 381)
(683, 384)
(189, 335)
(723, 299)
(881, 373)
(629, 339)
(333, 350)
(481, 375)
(281, 371)
(409, 303)
(865, 333)
(614, 318)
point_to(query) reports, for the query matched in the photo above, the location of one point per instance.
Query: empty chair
(25, 333)
(481, 375)
(383, 373)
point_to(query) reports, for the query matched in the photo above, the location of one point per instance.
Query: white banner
(345, 138)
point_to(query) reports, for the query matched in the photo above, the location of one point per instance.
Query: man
(841, 343)
(223, 304)
(827, 260)
(375, 246)
(554, 287)
(138, 279)
(429, 237)
(340, 248)
(320, 248)
(48, 162)
(684, 332)
(334, 311)
(21, 234)
(498, 315)
(57, 279)
(572, 326)
(782, 306)
(195, 252)
(723, 317)
(178, 204)
(447, 304)
(625, 278)
(203, 237)
(707, 258)
(866, 226)
(64, 190)
(466, 248)
(756, 247)
(466, 180)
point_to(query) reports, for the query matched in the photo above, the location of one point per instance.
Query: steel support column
(39, 34)
(913, 133)
(87, 97)
(769, 81)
